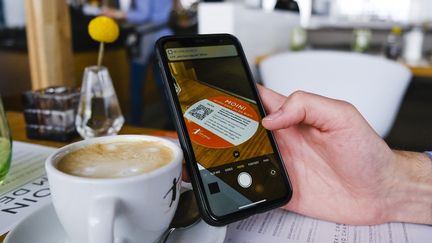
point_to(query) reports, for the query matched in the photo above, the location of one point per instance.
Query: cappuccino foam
(116, 159)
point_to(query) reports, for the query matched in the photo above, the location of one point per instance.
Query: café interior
(344, 49)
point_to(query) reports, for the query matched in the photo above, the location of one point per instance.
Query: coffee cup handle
(101, 220)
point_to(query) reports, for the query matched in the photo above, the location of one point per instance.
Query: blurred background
(399, 30)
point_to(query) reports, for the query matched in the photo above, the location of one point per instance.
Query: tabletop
(18, 131)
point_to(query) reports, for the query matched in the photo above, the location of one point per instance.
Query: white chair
(374, 85)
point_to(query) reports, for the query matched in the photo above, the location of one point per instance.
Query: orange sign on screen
(227, 122)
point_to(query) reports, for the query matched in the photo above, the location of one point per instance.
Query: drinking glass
(99, 112)
(5, 145)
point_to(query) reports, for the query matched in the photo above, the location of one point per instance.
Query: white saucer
(43, 226)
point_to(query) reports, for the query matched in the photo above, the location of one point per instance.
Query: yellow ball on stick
(104, 30)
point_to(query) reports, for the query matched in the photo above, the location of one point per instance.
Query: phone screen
(234, 153)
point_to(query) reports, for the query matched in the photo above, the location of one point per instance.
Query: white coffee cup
(129, 209)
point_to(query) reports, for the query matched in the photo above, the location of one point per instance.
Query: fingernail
(273, 115)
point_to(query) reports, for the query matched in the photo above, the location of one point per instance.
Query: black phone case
(186, 143)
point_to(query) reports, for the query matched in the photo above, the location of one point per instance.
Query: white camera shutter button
(244, 179)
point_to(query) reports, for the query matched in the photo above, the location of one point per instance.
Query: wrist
(411, 196)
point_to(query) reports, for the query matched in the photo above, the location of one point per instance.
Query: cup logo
(176, 184)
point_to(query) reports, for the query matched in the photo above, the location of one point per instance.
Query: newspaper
(26, 187)
(281, 226)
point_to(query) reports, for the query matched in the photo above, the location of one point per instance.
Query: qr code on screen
(200, 112)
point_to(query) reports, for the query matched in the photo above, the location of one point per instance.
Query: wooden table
(421, 71)
(17, 126)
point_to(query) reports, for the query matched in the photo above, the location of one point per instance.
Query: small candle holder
(50, 113)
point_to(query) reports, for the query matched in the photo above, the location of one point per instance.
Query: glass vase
(99, 112)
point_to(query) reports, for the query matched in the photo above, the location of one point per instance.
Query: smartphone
(233, 161)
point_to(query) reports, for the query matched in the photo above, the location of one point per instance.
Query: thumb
(271, 100)
(309, 109)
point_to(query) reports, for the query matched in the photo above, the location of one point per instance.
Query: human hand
(340, 169)
(113, 13)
